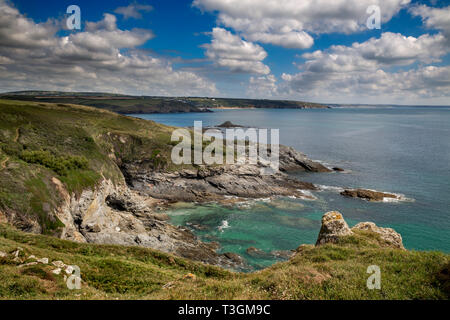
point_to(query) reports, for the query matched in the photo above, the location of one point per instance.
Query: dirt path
(17, 134)
(3, 164)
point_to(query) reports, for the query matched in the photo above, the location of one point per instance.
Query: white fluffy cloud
(230, 51)
(290, 23)
(388, 50)
(100, 58)
(362, 70)
(434, 18)
(262, 87)
(406, 87)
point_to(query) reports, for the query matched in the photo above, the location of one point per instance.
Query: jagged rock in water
(228, 124)
(258, 253)
(388, 235)
(283, 254)
(369, 195)
(292, 160)
(333, 228)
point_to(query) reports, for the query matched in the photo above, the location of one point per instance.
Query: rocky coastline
(132, 214)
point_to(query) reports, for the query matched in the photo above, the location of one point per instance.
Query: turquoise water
(404, 150)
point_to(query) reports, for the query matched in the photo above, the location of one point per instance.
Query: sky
(311, 50)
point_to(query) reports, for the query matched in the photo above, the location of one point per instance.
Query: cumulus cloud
(434, 18)
(133, 10)
(422, 84)
(262, 87)
(230, 51)
(290, 23)
(389, 50)
(362, 70)
(100, 58)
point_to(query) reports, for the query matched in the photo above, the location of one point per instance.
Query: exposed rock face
(115, 215)
(214, 182)
(369, 195)
(283, 254)
(292, 160)
(333, 228)
(211, 184)
(388, 235)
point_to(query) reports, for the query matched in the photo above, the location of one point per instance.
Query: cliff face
(112, 214)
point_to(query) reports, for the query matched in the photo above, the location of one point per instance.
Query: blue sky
(212, 47)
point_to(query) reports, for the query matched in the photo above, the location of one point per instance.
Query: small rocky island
(370, 195)
(229, 124)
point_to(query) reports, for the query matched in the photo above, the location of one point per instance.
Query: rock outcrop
(212, 183)
(333, 228)
(258, 253)
(387, 235)
(292, 160)
(369, 195)
(113, 214)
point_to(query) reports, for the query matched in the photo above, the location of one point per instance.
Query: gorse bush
(60, 164)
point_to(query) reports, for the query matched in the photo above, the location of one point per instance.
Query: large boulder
(388, 235)
(333, 228)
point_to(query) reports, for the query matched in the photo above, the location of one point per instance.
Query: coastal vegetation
(330, 271)
(126, 104)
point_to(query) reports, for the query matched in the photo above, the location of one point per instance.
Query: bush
(158, 160)
(60, 164)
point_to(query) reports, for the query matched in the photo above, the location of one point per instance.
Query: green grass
(77, 145)
(116, 272)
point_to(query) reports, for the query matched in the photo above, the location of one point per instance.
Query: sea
(399, 149)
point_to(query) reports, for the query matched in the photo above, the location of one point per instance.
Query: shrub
(60, 164)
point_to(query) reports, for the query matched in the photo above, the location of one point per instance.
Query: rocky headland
(118, 180)
(214, 183)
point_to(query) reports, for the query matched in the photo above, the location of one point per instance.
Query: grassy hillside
(327, 272)
(131, 104)
(75, 144)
